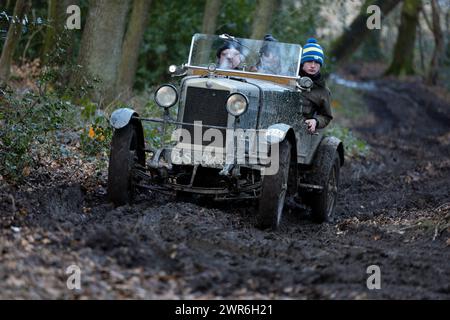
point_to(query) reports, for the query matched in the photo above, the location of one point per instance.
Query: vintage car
(238, 134)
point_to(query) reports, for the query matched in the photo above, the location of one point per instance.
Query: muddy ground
(393, 211)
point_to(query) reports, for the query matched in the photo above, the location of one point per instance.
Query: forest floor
(393, 212)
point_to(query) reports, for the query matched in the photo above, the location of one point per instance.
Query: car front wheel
(273, 191)
(126, 153)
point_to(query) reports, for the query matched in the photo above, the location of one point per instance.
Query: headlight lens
(305, 82)
(166, 96)
(237, 104)
(172, 68)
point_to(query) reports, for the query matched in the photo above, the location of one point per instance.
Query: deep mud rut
(393, 212)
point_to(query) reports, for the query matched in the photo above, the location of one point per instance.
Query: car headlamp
(237, 104)
(305, 83)
(166, 96)
(172, 69)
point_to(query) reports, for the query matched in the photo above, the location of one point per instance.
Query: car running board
(312, 187)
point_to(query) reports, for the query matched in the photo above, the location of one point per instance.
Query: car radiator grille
(208, 106)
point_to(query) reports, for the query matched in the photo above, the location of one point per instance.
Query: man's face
(229, 59)
(270, 57)
(311, 67)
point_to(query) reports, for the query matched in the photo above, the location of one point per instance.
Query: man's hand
(311, 123)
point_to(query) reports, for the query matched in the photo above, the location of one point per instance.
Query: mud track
(393, 212)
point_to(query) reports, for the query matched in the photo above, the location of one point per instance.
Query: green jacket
(316, 103)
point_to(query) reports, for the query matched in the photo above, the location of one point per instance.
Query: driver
(229, 56)
(316, 106)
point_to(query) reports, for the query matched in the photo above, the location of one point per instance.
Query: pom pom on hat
(269, 37)
(268, 46)
(312, 51)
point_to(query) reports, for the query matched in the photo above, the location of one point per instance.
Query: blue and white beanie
(312, 51)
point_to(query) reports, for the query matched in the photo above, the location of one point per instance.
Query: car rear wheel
(273, 191)
(126, 153)
(323, 204)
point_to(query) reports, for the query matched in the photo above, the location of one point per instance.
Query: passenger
(316, 106)
(269, 56)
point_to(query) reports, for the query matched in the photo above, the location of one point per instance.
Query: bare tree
(56, 16)
(447, 32)
(101, 47)
(130, 48)
(12, 39)
(5, 4)
(350, 40)
(212, 9)
(371, 48)
(421, 46)
(403, 60)
(263, 17)
(432, 76)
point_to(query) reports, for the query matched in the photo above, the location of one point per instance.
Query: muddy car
(238, 133)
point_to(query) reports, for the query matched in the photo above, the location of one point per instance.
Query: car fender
(277, 132)
(121, 117)
(333, 144)
(323, 160)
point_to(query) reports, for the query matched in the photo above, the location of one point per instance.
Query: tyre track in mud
(163, 248)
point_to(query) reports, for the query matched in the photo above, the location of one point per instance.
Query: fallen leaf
(288, 290)
(26, 171)
(15, 229)
(15, 282)
(87, 210)
(91, 132)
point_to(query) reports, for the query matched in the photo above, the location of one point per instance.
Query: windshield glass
(259, 56)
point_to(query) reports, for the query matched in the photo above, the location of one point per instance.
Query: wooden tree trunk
(212, 9)
(421, 49)
(433, 73)
(263, 17)
(403, 61)
(447, 32)
(210, 14)
(348, 42)
(371, 48)
(57, 17)
(101, 47)
(130, 49)
(12, 39)
(4, 5)
(50, 32)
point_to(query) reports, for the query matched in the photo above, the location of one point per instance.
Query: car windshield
(246, 55)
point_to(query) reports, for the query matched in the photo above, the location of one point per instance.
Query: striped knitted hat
(312, 51)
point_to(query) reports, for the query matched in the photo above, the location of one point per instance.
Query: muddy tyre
(273, 191)
(323, 204)
(126, 152)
